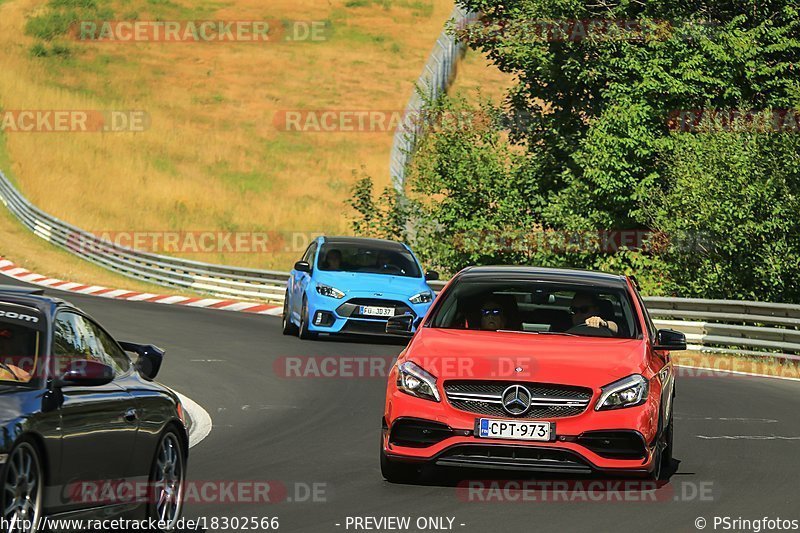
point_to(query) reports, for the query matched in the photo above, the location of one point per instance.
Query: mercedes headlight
(330, 292)
(627, 392)
(422, 298)
(414, 380)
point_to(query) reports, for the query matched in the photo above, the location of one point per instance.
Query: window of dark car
(113, 354)
(530, 306)
(370, 259)
(19, 351)
(77, 337)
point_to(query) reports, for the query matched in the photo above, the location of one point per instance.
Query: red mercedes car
(532, 369)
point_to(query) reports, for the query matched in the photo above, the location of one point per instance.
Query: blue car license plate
(369, 310)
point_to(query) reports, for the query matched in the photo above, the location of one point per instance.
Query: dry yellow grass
(478, 77)
(212, 158)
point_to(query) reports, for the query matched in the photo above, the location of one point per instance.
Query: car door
(301, 280)
(98, 423)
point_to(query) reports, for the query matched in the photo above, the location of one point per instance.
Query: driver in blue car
(585, 310)
(333, 259)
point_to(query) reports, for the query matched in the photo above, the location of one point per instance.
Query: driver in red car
(585, 309)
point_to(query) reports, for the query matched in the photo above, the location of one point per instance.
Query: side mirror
(150, 357)
(85, 373)
(302, 266)
(431, 275)
(669, 339)
(400, 325)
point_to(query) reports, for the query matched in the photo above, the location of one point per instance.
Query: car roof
(564, 275)
(31, 297)
(366, 241)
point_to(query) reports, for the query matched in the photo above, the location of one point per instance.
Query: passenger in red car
(493, 316)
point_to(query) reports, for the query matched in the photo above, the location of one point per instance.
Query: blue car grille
(352, 308)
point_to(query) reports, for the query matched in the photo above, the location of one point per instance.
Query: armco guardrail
(732, 326)
(435, 79)
(756, 328)
(218, 280)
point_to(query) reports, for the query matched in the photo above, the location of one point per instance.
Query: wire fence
(436, 77)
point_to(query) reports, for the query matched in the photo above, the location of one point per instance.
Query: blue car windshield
(349, 257)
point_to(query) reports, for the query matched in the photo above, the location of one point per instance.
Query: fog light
(323, 318)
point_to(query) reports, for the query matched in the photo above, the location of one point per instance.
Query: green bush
(732, 203)
(51, 24)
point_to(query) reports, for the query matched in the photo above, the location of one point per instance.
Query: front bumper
(327, 315)
(621, 441)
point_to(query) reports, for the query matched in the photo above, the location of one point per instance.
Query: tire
(658, 463)
(288, 327)
(669, 437)
(23, 481)
(663, 460)
(167, 480)
(305, 334)
(399, 472)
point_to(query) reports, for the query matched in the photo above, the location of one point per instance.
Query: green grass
(60, 16)
(164, 164)
(255, 181)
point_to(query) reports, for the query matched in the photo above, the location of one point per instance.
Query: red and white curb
(8, 268)
(201, 421)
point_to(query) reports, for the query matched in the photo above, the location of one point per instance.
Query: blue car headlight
(422, 298)
(330, 292)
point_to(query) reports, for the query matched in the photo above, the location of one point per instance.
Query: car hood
(489, 355)
(361, 284)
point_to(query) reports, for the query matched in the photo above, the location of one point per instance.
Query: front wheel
(305, 333)
(288, 327)
(663, 459)
(167, 480)
(22, 489)
(669, 437)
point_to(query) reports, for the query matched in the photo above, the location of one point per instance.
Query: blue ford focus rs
(354, 285)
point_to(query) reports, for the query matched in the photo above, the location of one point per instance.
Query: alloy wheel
(22, 490)
(168, 481)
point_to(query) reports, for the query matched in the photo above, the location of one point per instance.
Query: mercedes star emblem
(516, 400)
